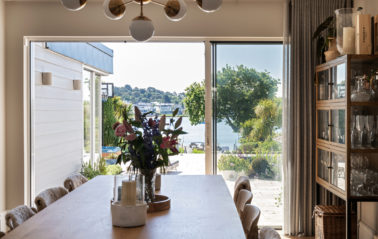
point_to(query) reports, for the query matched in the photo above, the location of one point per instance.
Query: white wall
(257, 18)
(2, 110)
(367, 211)
(58, 119)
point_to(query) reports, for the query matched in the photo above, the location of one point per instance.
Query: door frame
(210, 166)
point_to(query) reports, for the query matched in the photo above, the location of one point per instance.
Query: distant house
(145, 107)
(164, 108)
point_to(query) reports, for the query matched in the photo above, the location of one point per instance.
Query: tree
(112, 111)
(194, 102)
(258, 133)
(238, 92)
(268, 115)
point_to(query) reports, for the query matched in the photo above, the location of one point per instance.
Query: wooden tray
(161, 203)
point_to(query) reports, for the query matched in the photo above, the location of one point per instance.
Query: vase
(149, 180)
(345, 30)
(332, 52)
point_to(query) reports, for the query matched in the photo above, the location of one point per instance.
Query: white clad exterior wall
(58, 119)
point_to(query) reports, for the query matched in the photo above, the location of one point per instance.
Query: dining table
(201, 207)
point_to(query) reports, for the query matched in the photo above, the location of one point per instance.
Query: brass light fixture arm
(157, 3)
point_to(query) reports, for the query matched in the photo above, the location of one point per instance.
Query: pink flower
(166, 144)
(128, 127)
(115, 125)
(120, 131)
(130, 137)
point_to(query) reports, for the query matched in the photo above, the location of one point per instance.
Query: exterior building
(66, 110)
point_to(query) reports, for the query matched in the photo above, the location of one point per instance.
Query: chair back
(49, 196)
(269, 233)
(74, 181)
(241, 183)
(250, 220)
(18, 215)
(244, 197)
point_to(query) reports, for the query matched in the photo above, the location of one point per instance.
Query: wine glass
(354, 133)
(369, 127)
(360, 125)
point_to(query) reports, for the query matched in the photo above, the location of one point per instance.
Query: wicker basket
(329, 222)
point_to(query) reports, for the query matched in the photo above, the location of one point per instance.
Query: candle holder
(345, 30)
(128, 207)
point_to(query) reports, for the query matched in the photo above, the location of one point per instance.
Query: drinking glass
(360, 126)
(354, 133)
(369, 127)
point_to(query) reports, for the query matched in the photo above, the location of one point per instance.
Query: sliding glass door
(247, 121)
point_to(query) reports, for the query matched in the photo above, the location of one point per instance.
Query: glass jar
(133, 194)
(345, 30)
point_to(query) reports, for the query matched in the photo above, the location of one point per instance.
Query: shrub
(89, 171)
(113, 169)
(232, 162)
(198, 151)
(260, 165)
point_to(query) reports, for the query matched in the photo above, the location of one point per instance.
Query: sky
(174, 66)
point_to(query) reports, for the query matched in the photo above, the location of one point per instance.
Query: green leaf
(178, 122)
(175, 112)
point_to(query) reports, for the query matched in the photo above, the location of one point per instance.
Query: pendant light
(141, 27)
(209, 5)
(175, 10)
(114, 9)
(73, 5)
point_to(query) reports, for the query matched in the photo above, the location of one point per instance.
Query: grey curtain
(302, 19)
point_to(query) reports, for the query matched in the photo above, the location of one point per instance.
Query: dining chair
(244, 197)
(49, 196)
(2, 234)
(269, 233)
(250, 219)
(241, 183)
(18, 215)
(74, 181)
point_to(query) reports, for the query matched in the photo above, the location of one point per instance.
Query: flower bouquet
(146, 144)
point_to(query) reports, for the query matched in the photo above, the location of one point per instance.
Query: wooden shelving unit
(334, 111)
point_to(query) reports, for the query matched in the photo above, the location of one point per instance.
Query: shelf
(364, 198)
(364, 150)
(364, 104)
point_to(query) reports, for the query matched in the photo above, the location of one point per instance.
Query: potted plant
(146, 143)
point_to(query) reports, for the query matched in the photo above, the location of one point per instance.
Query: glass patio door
(92, 122)
(247, 121)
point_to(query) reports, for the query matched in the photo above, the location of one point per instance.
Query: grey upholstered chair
(49, 196)
(18, 215)
(74, 181)
(250, 220)
(269, 233)
(241, 183)
(2, 234)
(244, 197)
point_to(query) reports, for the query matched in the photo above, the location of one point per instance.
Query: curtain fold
(301, 20)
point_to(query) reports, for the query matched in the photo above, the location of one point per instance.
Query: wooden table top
(201, 207)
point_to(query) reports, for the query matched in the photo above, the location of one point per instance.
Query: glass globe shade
(114, 9)
(209, 5)
(141, 28)
(73, 5)
(175, 10)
